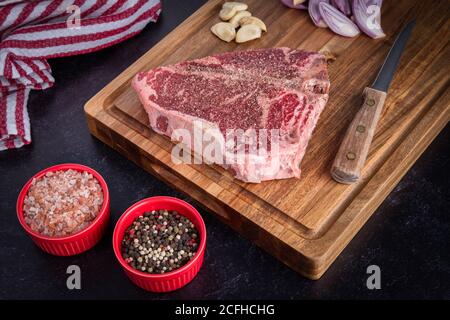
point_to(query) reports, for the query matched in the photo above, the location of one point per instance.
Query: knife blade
(387, 70)
(354, 148)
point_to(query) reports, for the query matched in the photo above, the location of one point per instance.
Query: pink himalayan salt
(62, 202)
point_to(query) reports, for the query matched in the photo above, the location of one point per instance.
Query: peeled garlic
(238, 16)
(253, 20)
(248, 32)
(297, 2)
(224, 31)
(239, 6)
(227, 13)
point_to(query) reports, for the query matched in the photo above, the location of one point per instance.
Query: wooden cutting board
(303, 222)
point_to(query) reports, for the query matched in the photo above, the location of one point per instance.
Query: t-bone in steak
(277, 93)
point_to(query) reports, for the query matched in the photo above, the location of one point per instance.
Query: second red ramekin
(171, 280)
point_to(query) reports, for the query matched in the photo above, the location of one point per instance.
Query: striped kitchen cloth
(33, 31)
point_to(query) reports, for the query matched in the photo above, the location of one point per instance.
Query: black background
(408, 236)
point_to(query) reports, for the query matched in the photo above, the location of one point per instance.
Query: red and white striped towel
(33, 31)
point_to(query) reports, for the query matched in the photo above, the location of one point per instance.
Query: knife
(354, 148)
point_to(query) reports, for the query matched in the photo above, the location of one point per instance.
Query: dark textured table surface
(408, 237)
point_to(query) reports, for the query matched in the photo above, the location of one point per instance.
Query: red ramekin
(77, 242)
(171, 280)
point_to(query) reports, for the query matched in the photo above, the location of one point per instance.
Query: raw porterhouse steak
(281, 90)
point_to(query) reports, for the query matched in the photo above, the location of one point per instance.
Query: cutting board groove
(304, 222)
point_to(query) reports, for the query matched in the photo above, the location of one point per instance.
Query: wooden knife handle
(354, 148)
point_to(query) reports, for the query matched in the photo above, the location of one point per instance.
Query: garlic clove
(239, 6)
(297, 2)
(253, 20)
(224, 31)
(238, 16)
(248, 32)
(227, 13)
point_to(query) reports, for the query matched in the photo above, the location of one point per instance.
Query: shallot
(337, 21)
(344, 17)
(343, 6)
(293, 5)
(314, 12)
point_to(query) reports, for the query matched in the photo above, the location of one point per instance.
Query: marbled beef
(278, 88)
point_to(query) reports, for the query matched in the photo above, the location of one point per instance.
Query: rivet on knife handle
(353, 151)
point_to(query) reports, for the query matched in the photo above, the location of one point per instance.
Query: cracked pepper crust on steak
(277, 88)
